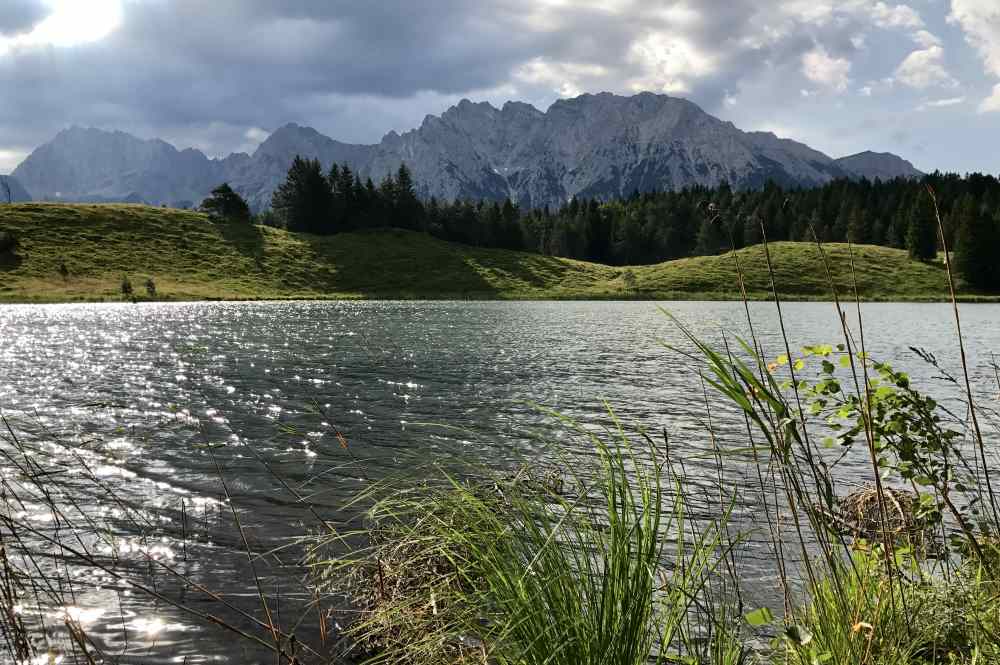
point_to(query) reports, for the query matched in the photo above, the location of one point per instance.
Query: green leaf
(800, 364)
(798, 635)
(759, 617)
(845, 361)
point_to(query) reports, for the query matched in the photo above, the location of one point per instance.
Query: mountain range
(592, 146)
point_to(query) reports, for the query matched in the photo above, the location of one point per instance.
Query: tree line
(659, 226)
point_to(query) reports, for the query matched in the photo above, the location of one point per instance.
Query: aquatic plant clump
(516, 572)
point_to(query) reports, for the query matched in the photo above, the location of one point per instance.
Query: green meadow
(190, 257)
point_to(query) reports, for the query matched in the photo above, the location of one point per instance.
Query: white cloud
(256, 135)
(941, 103)
(895, 16)
(9, 159)
(70, 23)
(820, 67)
(980, 20)
(992, 103)
(563, 78)
(668, 63)
(924, 69)
(926, 39)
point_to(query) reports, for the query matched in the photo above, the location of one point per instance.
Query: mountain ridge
(592, 146)
(17, 191)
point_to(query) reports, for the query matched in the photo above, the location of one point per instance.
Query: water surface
(159, 400)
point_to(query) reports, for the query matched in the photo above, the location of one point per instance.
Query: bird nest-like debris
(862, 515)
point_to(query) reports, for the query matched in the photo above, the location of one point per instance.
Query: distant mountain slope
(17, 191)
(594, 146)
(94, 165)
(878, 165)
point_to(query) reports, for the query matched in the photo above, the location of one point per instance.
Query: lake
(158, 400)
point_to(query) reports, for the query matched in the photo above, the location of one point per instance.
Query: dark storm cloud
(208, 73)
(17, 16)
(256, 63)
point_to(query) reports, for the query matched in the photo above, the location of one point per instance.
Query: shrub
(8, 242)
(126, 287)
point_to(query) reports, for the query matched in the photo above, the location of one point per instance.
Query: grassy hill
(190, 257)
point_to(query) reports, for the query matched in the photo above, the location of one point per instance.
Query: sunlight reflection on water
(147, 399)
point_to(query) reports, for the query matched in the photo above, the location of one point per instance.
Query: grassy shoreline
(190, 258)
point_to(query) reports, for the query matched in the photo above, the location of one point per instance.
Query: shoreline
(95, 253)
(485, 297)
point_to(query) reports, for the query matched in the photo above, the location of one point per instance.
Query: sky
(919, 78)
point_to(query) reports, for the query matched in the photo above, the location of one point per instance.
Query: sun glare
(70, 23)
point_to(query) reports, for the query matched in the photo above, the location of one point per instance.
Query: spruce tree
(711, 237)
(977, 246)
(226, 204)
(857, 226)
(921, 237)
(407, 209)
(304, 201)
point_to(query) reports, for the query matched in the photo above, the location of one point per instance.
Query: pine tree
(407, 209)
(977, 246)
(751, 230)
(304, 200)
(921, 237)
(711, 237)
(226, 204)
(513, 238)
(857, 226)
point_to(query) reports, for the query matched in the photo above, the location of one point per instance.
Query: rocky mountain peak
(878, 165)
(596, 145)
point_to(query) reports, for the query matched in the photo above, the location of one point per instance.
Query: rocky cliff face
(878, 165)
(598, 146)
(93, 165)
(17, 191)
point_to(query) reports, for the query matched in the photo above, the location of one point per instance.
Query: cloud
(924, 69)
(819, 67)
(992, 103)
(9, 159)
(219, 75)
(926, 39)
(667, 62)
(895, 16)
(19, 16)
(941, 103)
(980, 21)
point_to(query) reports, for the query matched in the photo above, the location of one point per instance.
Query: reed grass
(603, 568)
